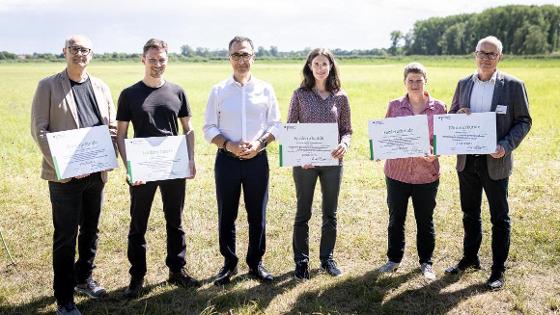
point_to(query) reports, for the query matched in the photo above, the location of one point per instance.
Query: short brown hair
(154, 43)
(415, 67)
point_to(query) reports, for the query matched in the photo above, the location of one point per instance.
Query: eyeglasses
(79, 50)
(237, 57)
(485, 55)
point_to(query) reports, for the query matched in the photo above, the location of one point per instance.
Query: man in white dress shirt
(242, 117)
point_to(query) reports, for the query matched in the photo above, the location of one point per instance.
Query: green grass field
(533, 281)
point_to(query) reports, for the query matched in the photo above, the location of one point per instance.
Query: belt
(476, 155)
(227, 153)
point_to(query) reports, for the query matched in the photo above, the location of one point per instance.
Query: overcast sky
(28, 26)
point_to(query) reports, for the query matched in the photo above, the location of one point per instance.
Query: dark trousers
(472, 180)
(231, 174)
(141, 198)
(76, 207)
(305, 180)
(424, 202)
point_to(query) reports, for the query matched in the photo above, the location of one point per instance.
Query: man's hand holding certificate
(465, 134)
(308, 144)
(399, 137)
(83, 151)
(157, 158)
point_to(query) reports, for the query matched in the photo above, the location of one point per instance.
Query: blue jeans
(472, 180)
(305, 180)
(424, 202)
(76, 207)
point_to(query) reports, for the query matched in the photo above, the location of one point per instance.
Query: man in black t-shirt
(154, 106)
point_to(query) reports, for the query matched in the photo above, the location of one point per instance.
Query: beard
(156, 73)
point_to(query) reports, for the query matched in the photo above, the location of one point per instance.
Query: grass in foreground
(532, 278)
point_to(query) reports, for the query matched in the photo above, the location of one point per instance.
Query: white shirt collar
(492, 79)
(231, 81)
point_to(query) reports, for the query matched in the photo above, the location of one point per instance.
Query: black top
(88, 112)
(153, 111)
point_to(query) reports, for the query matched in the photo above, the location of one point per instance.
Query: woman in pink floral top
(416, 178)
(319, 99)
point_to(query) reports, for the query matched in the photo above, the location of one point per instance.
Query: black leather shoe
(260, 273)
(182, 279)
(330, 267)
(496, 281)
(302, 271)
(462, 266)
(223, 277)
(134, 288)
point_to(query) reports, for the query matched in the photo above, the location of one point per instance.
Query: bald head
(79, 40)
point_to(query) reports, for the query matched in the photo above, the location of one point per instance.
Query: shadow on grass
(161, 298)
(364, 294)
(367, 295)
(431, 299)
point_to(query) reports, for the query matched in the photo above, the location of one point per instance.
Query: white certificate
(157, 158)
(465, 134)
(82, 151)
(302, 144)
(399, 137)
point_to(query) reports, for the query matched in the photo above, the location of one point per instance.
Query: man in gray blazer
(68, 100)
(489, 90)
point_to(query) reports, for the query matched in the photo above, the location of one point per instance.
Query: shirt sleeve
(293, 111)
(40, 119)
(273, 114)
(211, 118)
(389, 110)
(522, 121)
(345, 123)
(123, 111)
(185, 110)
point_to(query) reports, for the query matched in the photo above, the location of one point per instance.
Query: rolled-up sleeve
(211, 118)
(273, 114)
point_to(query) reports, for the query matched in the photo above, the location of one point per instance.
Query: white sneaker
(428, 271)
(390, 266)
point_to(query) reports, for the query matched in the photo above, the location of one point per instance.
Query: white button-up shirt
(482, 93)
(241, 112)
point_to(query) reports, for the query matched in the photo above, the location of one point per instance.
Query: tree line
(523, 30)
(201, 54)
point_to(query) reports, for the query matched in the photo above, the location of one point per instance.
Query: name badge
(501, 109)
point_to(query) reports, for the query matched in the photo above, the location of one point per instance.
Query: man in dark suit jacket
(489, 90)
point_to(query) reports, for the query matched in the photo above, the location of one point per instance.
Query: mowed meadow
(532, 278)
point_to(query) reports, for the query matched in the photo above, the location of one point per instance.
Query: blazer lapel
(467, 95)
(498, 88)
(69, 96)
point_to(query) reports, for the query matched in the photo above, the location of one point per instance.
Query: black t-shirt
(88, 112)
(153, 111)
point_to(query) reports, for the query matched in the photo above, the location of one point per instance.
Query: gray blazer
(54, 109)
(511, 127)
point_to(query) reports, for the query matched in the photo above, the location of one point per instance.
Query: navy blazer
(511, 127)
